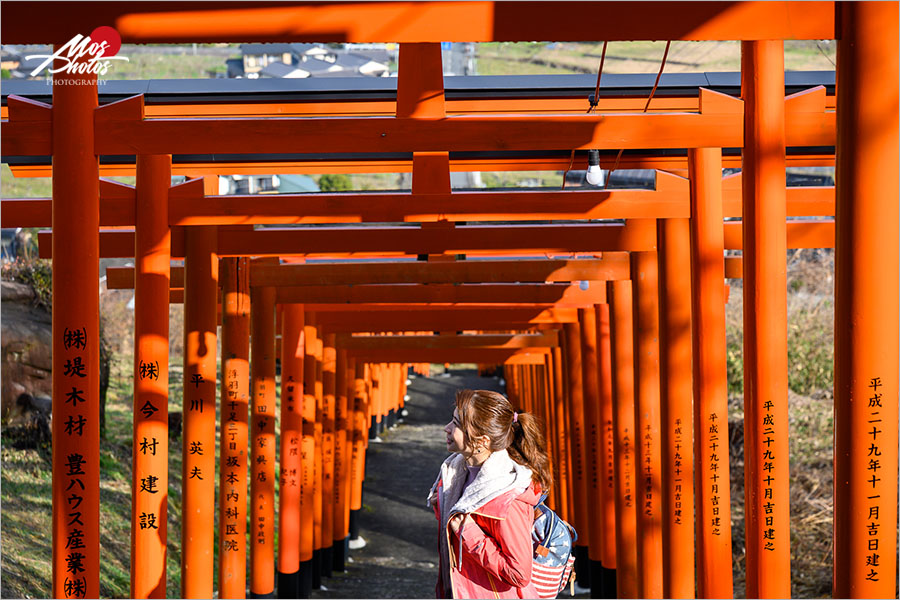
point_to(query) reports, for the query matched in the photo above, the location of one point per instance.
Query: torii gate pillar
(866, 297)
(76, 339)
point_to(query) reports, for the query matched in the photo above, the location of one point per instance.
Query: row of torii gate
(627, 367)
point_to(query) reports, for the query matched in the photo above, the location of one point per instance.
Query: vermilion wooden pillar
(548, 418)
(711, 475)
(312, 422)
(527, 390)
(646, 422)
(341, 459)
(550, 423)
(307, 456)
(587, 323)
(607, 507)
(619, 294)
(319, 503)
(571, 341)
(390, 393)
(562, 408)
(233, 435)
(388, 386)
(766, 469)
(509, 377)
(262, 442)
(198, 481)
(150, 451)
(383, 385)
(76, 341)
(866, 298)
(558, 412)
(372, 377)
(291, 469)
(358, 440)
(329, 367)
(676, 407)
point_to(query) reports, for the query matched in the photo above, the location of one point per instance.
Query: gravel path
(400, 558)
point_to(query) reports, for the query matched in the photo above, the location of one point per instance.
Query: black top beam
(229, 91)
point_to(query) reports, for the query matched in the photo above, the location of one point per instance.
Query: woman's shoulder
(532, 495)
(454, 458)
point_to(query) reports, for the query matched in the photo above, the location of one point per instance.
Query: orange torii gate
(609, 267)
(869, 371)
(393, 349)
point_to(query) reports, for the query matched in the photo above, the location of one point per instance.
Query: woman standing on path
(485, 497)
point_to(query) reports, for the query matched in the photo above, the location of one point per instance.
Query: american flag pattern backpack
(553, 541)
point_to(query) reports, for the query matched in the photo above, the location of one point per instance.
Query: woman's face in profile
(456, 439)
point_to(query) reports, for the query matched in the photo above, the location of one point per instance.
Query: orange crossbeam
(800, 234)
(391, 134)
(440, 355)
(669, 200)
(341, 108)
(556, 294)
(337, 242)
(340, 242)
(163, 22)
(120, 128)
(442, 319)
(613, 265)
(354, 343)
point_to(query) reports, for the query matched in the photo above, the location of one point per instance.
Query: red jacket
(494, 555)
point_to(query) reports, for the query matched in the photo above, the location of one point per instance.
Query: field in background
(514, 58)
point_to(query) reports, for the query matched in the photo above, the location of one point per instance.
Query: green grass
(524, 58)
(26, 501)
(166, 66)
(503, 179)
(810, 322)
(24, 187)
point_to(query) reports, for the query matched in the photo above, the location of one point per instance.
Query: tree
(337, 182)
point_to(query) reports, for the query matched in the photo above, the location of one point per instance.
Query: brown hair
(483, 412)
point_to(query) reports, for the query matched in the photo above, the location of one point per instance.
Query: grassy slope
(27, 508)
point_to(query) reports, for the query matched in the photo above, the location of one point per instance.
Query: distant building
(378, 55)
(15, 60)
(234, 68)
(362, 64)
(258, 56)
(267, 184)
(9, 59)
(298, 61)
(302, 70)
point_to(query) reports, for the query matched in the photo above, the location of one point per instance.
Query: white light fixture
(595, 175)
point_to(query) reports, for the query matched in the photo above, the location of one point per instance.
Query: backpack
(553, 539)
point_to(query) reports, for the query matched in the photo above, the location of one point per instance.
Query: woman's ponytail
(528, 448)
(484, 412)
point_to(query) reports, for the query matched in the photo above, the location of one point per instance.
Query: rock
(29, 424)
(10, 291)
(26, 333)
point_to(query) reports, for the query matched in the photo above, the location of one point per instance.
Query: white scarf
(498, 474)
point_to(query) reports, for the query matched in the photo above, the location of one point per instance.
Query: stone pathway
(400, 558)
